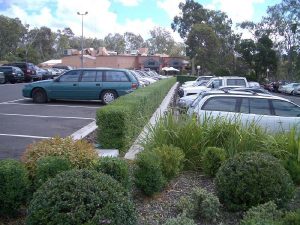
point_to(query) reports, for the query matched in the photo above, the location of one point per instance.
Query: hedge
(183, 78)
(120, 122)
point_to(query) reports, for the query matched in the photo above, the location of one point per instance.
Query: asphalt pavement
(22, 122)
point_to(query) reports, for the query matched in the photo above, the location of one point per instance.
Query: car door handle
(97, 84)
(74, 84)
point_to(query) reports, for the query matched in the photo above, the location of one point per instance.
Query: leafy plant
(253, 178)
(13, 186)
(213, 158)
(292, 218)
(116, 168)
(48, 167)
(171, 160)
(180, 220)
(293, 167)
(81, 154)
(148, 173)
(81, 197)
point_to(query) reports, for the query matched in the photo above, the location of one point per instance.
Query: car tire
(39, 96)
(108, 96)
(2, 81)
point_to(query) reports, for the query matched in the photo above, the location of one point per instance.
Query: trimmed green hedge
(120, 122)
(183, 78)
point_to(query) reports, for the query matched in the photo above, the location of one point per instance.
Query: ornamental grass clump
(80, 154)
(81, 197)
(252, 178)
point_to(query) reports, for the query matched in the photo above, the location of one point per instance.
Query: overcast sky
(119, 16)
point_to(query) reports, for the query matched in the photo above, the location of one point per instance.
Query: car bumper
(26, 92)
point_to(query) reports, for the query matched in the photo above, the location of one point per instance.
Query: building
(138, 59)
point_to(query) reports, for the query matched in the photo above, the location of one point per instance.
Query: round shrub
(253, 178)
(80, 153)
(213, 158)
(180, 220)
(81, 197)
(171, 160)
(13, 186)
(115, 167)
(148, 173)
(48, 167)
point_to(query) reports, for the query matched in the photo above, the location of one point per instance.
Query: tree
(115, 42)
(161, 41)
(132, 41)
(179, 49)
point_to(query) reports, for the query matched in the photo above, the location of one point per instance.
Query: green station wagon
(83, 84)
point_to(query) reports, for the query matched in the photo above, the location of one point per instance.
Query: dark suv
(12, 74)
(28, 69)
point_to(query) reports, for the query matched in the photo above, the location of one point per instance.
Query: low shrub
(81, 197)
(13, 186)
(115, 167)
(264, 214)
(293, 167)
(48, 167)
(180, 220)
(201, 204)
(292, 218)
(148, 173)
(171, 160)
(253, 178)
(120, 122)
(213, 158)
(81, 154)
(183, 78)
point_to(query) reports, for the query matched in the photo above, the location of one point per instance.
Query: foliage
(48, 167)
(180, 220)
(293, 167)
(115, 42)
(253, 178)
(81, 154)
(133, 41)
(183, 78)
(292, 218)
(264, 214)
(161, 41)
(148, 173)
(115, 167)
(171, 160)
(121, 121)
(81, 197)
(13, 186)
(201, 204)
(212, 159)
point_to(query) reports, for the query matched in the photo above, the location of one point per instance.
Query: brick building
(137, 60)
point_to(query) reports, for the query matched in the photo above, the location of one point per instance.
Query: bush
(116, 168)
(292, 218)
(171, 160)
(213, 158)
(81, 197)
(201, 204)
(293, 167)
(180, 220)
(182, 79)
(264, 214)
(121, 121)
(148, 173)
(48, 167)
(13, 186)
(80, 153)
(253, 178)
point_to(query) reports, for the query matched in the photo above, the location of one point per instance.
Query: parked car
(43, 74)
(270, 112)
(215, 83)
(83, 84)
(27, 68)
(199, 79)
(289, 88)
(12, 74)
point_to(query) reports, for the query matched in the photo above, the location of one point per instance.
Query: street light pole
(82, 14)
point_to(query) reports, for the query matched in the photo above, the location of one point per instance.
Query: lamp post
(268, 70)
(82, 14)
(198, 70)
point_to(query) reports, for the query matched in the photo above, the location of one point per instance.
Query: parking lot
(22, 122)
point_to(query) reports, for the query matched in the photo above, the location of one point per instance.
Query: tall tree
(133, 41)
(115, 42)
(161, 41)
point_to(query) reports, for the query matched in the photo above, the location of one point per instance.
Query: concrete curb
(136, 147)
(84, 131)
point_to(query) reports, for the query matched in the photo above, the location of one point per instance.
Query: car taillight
(134, 85)
(28, 71)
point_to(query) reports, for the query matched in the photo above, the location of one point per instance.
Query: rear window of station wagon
(259, 106)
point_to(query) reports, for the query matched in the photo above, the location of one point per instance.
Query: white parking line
(12, 101)
(10, 84)
(68, 106)
(25, 136)
(39, 116)
(84, 131)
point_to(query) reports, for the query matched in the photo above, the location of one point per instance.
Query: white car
(289, 88)
(200, 78)
(269, 112)
(215, 83)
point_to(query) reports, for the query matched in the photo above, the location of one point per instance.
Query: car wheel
(2, 81)
(39, 96)
(108, 96)
(12, 81)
